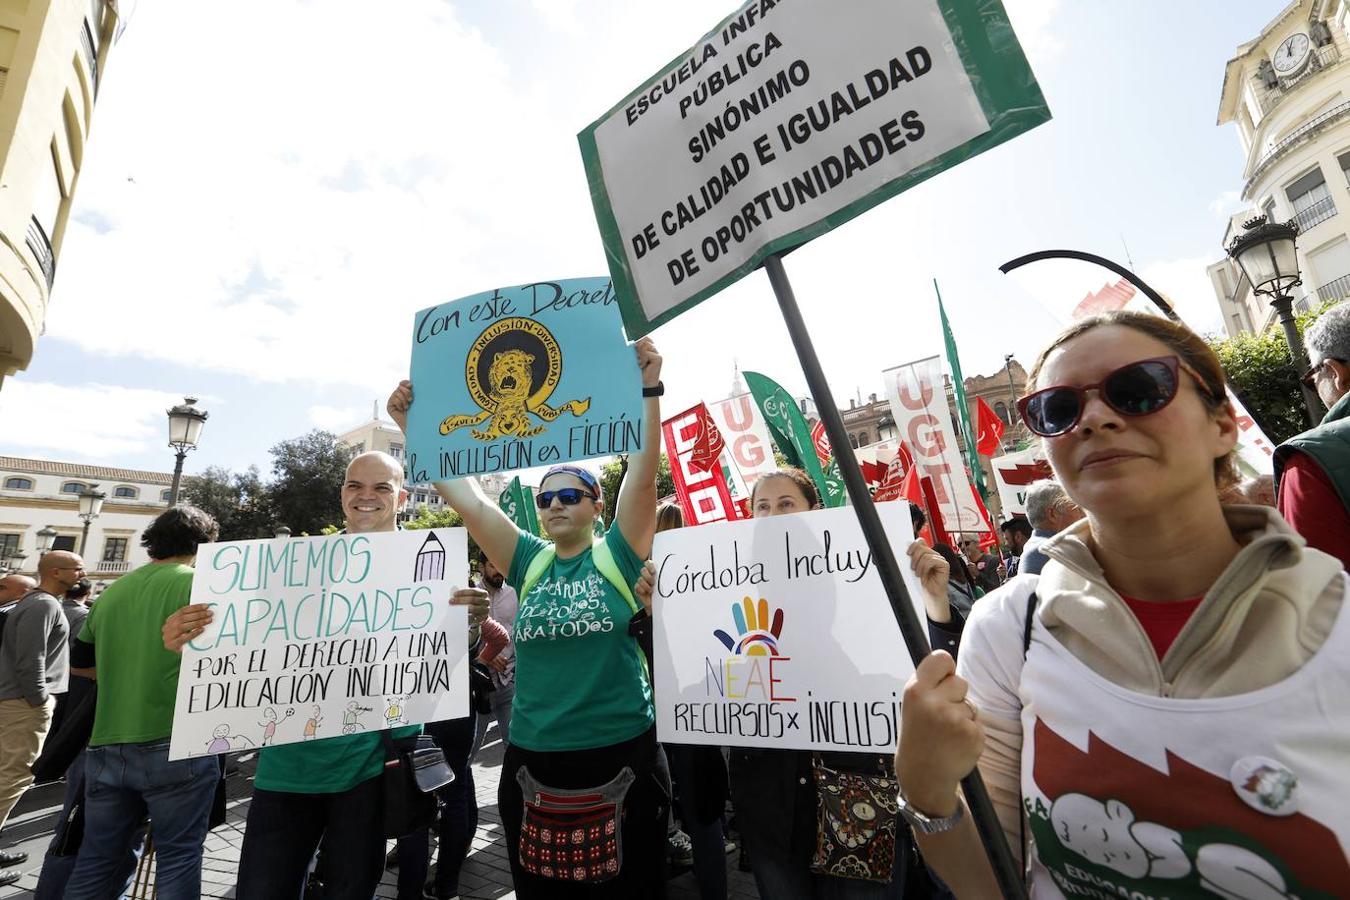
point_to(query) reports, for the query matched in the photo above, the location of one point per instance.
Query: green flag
(517, 501)
(793, 436)
(959, 390)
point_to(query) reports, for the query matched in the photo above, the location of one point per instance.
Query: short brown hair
(797, 477)
(1189, 347)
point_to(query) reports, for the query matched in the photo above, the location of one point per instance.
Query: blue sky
(265, 246)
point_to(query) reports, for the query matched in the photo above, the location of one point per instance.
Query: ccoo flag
(959, 390)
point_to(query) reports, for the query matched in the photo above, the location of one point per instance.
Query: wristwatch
(655, 390)
(926, 824)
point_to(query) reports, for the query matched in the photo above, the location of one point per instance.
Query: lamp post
(185, 428)
(45, 536)
(91, 504)
(1268, 255)
(1012, 391)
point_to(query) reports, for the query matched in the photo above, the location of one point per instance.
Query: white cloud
(1031, 19)
(337, 418)
(102, 421)
(1227, 204)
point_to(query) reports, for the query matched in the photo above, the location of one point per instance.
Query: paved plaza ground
(486, 873)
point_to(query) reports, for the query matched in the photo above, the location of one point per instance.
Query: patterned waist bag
(855, 823)
(573, 835)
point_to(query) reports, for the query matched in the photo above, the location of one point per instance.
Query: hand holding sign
(941, 737)
(186, 624)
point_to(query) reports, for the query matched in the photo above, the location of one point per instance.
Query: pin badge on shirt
(1265, 785)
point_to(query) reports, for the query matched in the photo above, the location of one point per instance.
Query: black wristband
(656, 390)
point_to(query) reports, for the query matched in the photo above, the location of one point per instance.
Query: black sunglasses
(1309, 378)
(1138, 389)
(568, 496)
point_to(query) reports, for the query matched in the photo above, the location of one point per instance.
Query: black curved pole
(1147, 290)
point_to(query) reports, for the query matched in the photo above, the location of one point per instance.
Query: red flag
(709, 444)
(989, 427)
(1109, 299)
(989, 539)
(937, 533)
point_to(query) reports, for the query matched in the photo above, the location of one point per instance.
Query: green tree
(239, 501)
(1262, 372)
(611, 476)
(307, 474)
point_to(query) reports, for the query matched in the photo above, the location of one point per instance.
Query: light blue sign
(520, 377)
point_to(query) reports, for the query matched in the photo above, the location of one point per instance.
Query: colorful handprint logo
(755, 634)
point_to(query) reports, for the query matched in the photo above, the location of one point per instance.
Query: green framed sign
(786, 121)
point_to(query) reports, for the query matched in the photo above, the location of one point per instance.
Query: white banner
(747, 437)
(1014, 472)
(776, 632)
(918, 398)
(785, 116)
(323, 636)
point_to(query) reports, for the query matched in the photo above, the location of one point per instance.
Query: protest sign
(922, 417)
(700, 482)
(776, 632)
(747, 437)
(323, 636)
(520, 377)
(1015, 472)
(785, 121)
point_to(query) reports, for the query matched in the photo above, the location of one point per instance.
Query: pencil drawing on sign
(430, 565)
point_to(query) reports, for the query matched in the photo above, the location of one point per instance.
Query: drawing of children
(312, 724)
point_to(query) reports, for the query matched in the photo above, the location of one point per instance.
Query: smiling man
(325, 794)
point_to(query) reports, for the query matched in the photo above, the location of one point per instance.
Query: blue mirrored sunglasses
(568, 497)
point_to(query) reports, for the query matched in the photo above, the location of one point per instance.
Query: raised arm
(490, 528)
(636, 512)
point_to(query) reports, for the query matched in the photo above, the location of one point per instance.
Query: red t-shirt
(1309, 503)
(1162, 621)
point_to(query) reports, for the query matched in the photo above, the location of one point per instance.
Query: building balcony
(1316, 214)
(1336, 289)
(90, 54)
(41, 247)
(1304, 132)
(1322, 58)
(108, 567)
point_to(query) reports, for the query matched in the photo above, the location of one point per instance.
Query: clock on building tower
(1292, 55)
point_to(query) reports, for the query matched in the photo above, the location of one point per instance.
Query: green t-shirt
(579, 678)
(137, 677)
(324, 766)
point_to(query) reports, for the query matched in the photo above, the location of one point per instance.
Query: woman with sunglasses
(583, 714)
(1168, 700)
(774, 791)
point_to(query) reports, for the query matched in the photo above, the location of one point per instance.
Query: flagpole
(916, 641)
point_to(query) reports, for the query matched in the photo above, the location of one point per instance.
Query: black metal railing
(1289, 140)
(90, 53)
(1336, 289)
(41, 247)
(1316, 213)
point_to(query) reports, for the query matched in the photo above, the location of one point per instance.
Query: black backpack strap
(1026, 627)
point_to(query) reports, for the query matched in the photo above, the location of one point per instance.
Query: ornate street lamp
(91, 504)
(45, 536)
(1268, 255)
(185, 427)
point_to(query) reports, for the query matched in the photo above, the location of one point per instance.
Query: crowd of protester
(1149, 598)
